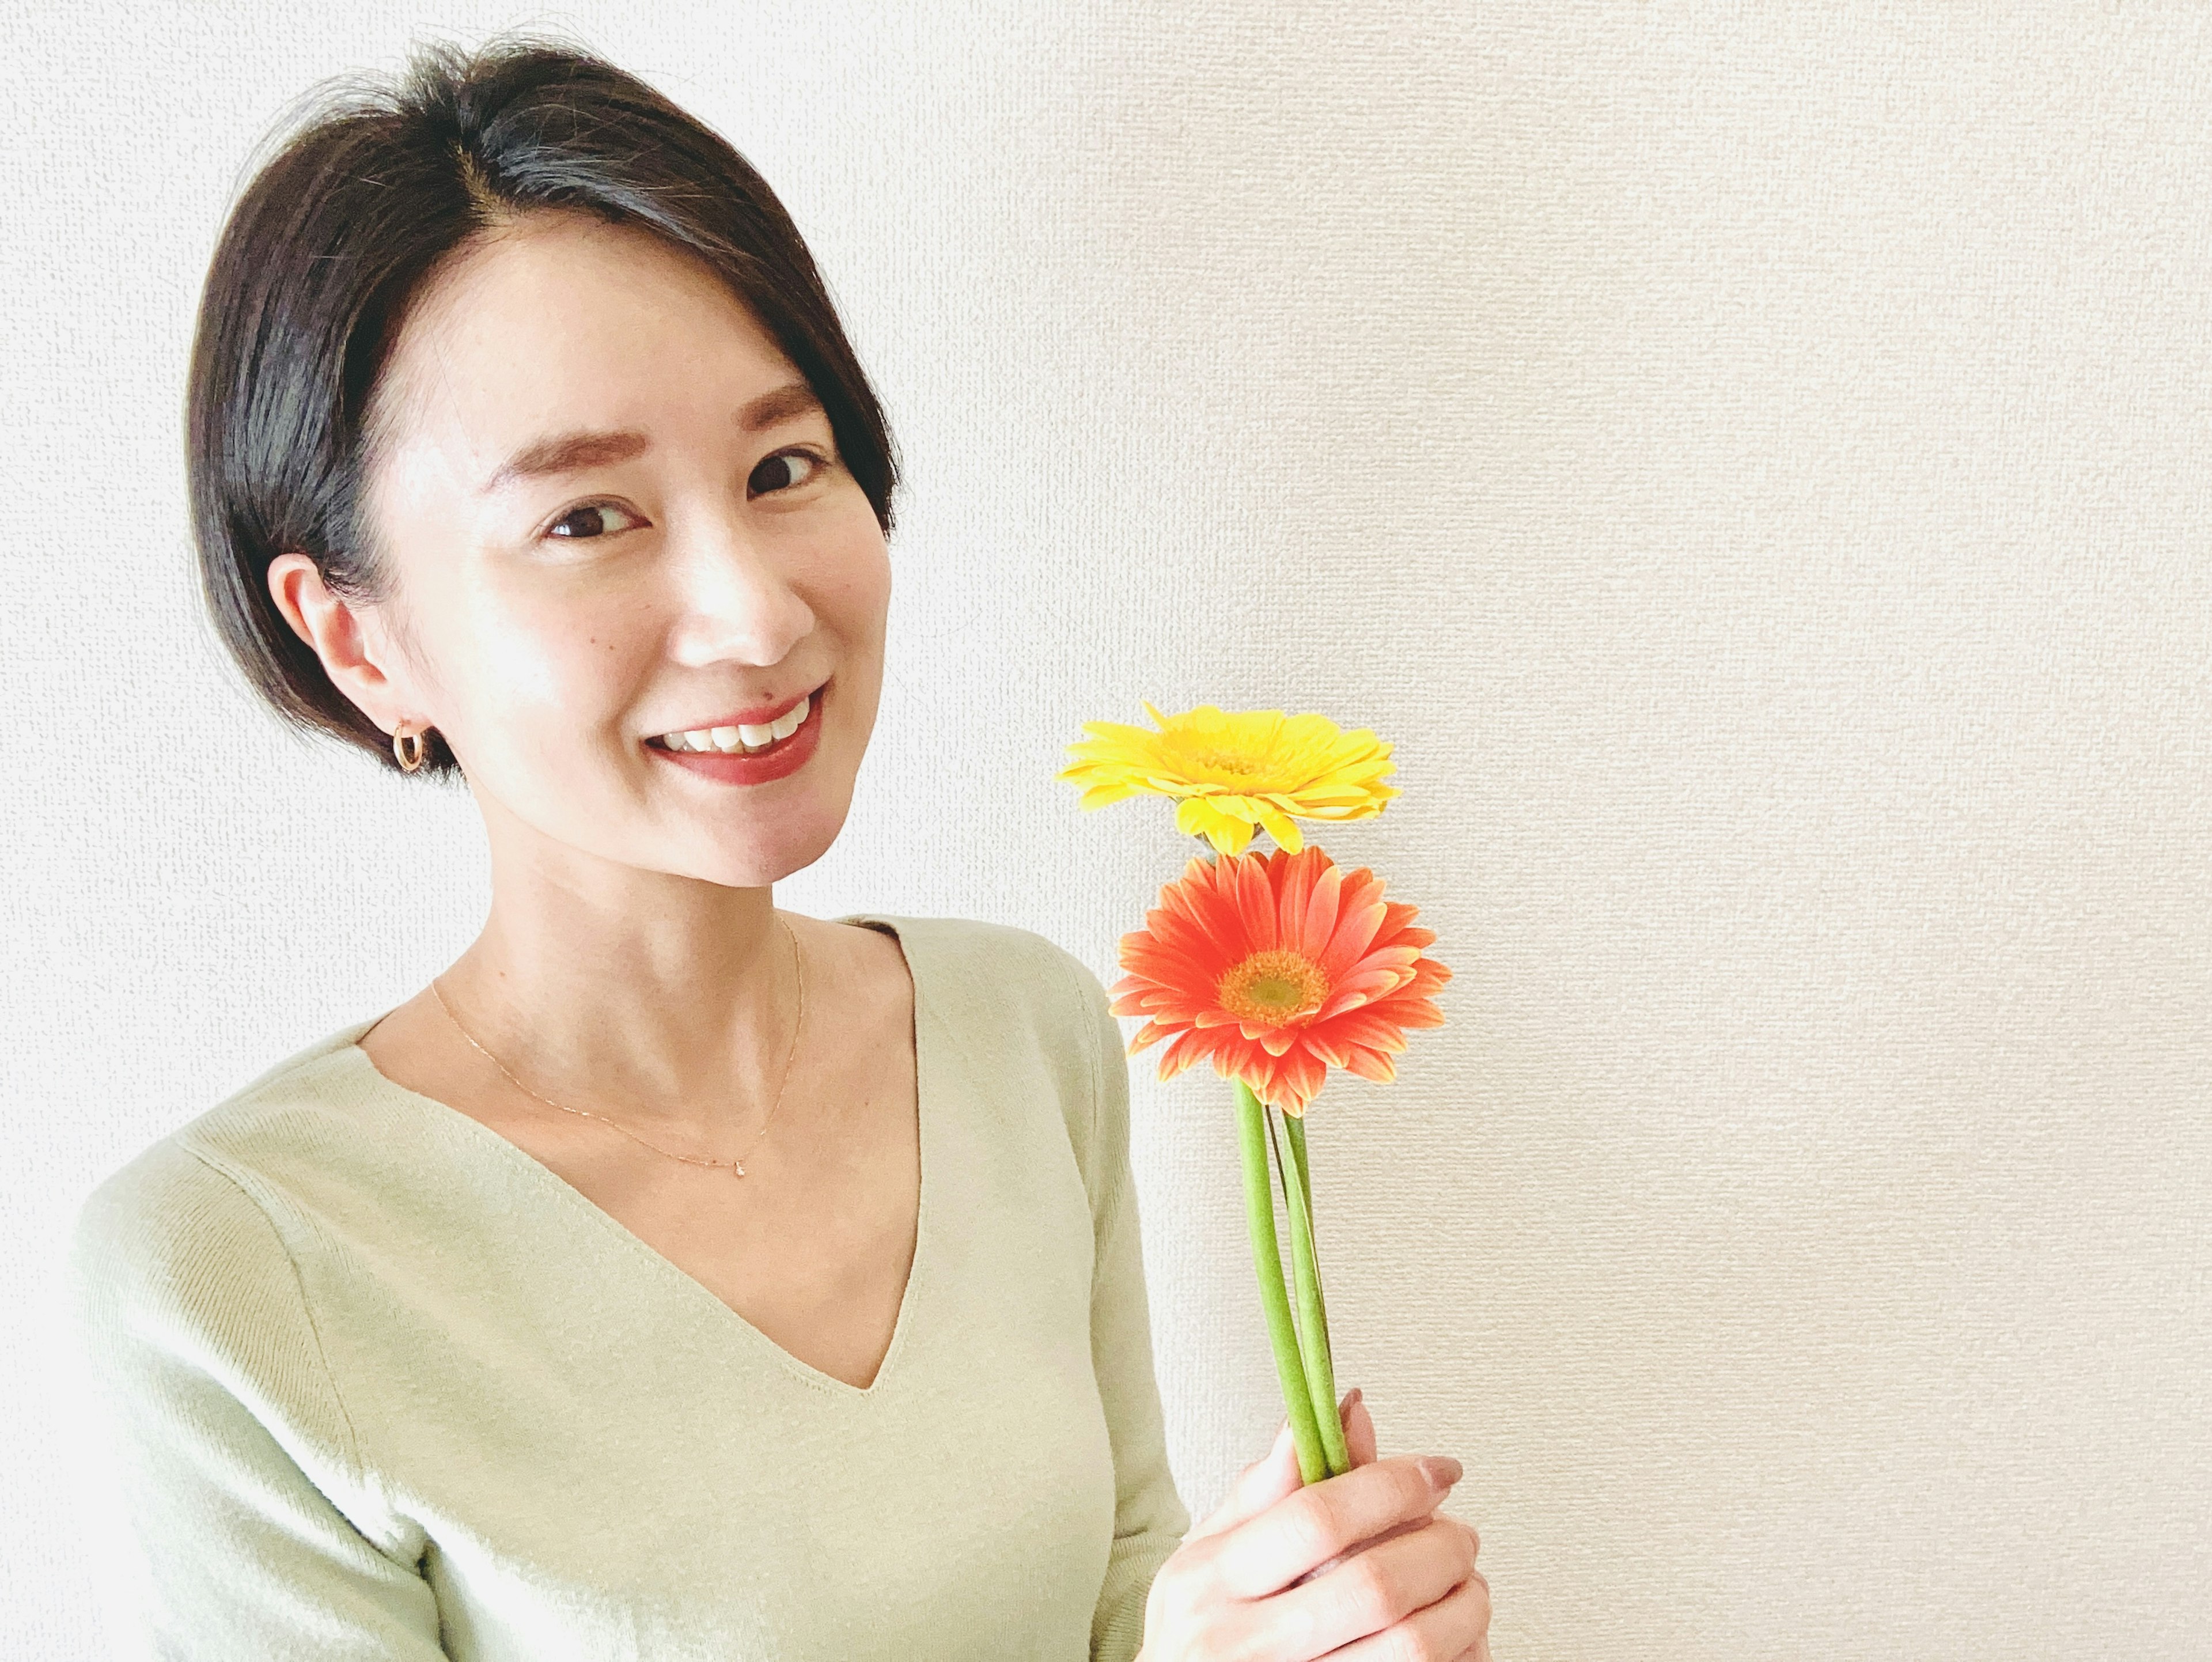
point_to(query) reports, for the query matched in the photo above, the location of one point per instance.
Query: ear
(356, 651)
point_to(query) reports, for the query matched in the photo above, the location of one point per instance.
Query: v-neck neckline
(567, 1194)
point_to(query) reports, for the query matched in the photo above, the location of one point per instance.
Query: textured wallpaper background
(1751, 460)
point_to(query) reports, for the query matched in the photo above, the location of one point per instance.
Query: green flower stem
(1266, 1258)
(1313, 1320)
(1294, 1126)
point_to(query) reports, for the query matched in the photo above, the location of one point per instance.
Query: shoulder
(163, 1226)
(183, 1296)
(1012, 995)
(1004, 964)
(192, 1220)
(189, 1316)
(998, 981)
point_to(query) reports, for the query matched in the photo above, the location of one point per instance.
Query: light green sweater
(376, 1384)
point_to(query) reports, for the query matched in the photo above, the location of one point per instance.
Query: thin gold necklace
(739, 1166)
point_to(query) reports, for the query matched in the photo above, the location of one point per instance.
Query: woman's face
(616, 513)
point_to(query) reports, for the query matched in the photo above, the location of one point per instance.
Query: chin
(754, 857)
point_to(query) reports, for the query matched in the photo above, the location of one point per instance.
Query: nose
(735, 595)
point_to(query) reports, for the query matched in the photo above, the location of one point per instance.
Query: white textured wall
(1753, 462)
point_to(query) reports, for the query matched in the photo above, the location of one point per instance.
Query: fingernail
(1352, 1401)
(1442, 1472)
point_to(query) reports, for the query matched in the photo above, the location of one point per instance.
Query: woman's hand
(1357, 1565)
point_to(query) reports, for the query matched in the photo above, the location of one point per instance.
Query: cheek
(868, 600)
(573, 665)
(859, 584)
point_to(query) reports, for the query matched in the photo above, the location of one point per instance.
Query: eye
(594, 520)
(775, 474)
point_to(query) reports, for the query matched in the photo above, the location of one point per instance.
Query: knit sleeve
(1150, 1521)
(225, 1448)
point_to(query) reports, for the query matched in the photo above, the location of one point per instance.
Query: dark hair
(323, 250)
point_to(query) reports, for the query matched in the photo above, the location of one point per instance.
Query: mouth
(741, 739)
(747, 755)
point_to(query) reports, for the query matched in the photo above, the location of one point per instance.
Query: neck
(663, 1002)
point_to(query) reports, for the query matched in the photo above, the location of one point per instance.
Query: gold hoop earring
(408, 749)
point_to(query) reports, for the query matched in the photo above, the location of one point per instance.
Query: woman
(672, 1276)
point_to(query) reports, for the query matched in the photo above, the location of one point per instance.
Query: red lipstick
(758, 716)
(785, 756)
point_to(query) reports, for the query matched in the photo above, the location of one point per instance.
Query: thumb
(1274, 1475)
(1259, 1486)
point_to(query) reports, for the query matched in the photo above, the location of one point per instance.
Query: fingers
(1456, 1625)
(1276, 1473)
(1313, 1524)
(1415, 1595)
(1359, 1429)
(1328, 1564)
(1259, 1486)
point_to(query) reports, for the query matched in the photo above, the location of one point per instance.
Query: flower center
(1273, 987)
(1229, 762)
(1236, 764)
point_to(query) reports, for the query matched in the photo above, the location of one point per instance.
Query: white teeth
(745, 738)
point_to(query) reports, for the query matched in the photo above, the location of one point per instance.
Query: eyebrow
(568, 453)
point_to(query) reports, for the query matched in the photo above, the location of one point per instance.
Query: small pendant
(738, 1166)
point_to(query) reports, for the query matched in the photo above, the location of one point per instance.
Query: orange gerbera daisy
(1278, 966)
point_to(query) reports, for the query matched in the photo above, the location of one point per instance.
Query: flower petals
(1245, 770)
(1199, 945)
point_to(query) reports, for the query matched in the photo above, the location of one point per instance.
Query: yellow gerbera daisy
(1237, 769)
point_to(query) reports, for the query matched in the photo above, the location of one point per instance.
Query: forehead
(562, 320)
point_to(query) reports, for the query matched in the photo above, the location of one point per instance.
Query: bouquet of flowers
(1275, 967)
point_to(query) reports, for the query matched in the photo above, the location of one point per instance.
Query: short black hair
(331, 236)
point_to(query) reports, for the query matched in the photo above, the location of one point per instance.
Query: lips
(748, 732)
(741, 738)
(738, 766)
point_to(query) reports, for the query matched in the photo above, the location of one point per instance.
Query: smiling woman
(670, 1275)
(383, 201)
